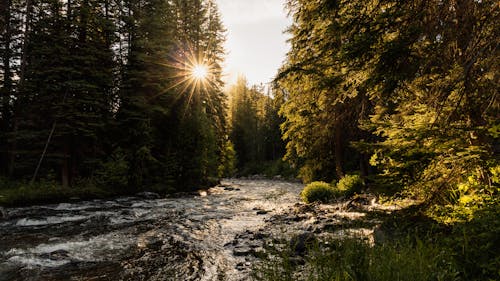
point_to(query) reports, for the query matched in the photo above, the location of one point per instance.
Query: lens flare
(199, 71)
(193, 76)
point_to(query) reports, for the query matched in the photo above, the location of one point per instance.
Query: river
(210, 235)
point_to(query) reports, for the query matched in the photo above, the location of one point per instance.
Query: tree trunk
(6, 91)
(27, 30)
(339, 148)
(65, 169)
(364, 164)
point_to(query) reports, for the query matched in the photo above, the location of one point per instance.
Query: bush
(350, 184)
(318, 191)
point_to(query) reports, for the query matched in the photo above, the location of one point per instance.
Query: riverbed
(217, 234)
(186, 237)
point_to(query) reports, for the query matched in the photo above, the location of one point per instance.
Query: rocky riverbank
(216, 234)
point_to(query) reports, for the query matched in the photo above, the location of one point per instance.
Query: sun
(199, 71)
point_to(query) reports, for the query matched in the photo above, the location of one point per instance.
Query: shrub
(350, 184)
(318, 191)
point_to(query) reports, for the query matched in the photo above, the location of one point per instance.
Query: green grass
(45, 192)
(354, 260)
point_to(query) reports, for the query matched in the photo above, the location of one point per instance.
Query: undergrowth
(354, 259)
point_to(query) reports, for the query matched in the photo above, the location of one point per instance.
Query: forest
(394, 98)
(404, 94)
(101, 93)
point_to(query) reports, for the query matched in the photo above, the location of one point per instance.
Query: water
(194, 237)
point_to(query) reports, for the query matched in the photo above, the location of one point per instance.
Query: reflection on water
(133, 238)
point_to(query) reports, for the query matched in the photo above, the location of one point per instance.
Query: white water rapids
(134, 238)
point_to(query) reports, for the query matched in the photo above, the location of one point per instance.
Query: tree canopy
(408, 87)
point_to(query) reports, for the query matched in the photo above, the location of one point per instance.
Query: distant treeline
(254, 126)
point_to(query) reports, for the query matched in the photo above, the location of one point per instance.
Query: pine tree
(68, 83)
(324, 101)
(409, 82)
(6, 89)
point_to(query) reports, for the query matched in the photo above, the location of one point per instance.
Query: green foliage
(269, 169)
(408, 84)
(107, 81)
(350, 184)
(227, 166)
(325, 192)
(114, 173)
(254, 123)
(354, 259)
(279, 168)
(318, 191)
(476, 243)
(44, 192)
(461, 202)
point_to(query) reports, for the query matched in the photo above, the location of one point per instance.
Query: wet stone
(242, 251)
(9, 272)
(301, 242)
(3, 214)
(330, 227)
(261, 235)
(148, 195)
(56, 255)
(135, 238)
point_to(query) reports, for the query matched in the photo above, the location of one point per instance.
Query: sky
(256, 44)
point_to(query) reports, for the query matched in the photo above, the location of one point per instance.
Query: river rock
(242, 251)
(9, 272)
(3, 214)
(56, 255)
(301, 242)
(262, 212)
(148, 195)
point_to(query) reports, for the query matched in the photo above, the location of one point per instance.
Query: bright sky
(256, 45)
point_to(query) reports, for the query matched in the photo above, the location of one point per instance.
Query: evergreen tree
(103, 89)
(254, 123)
(411, 83)
(324, 104)
(67, 87)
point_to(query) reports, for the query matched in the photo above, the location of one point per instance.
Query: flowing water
(191, 237)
